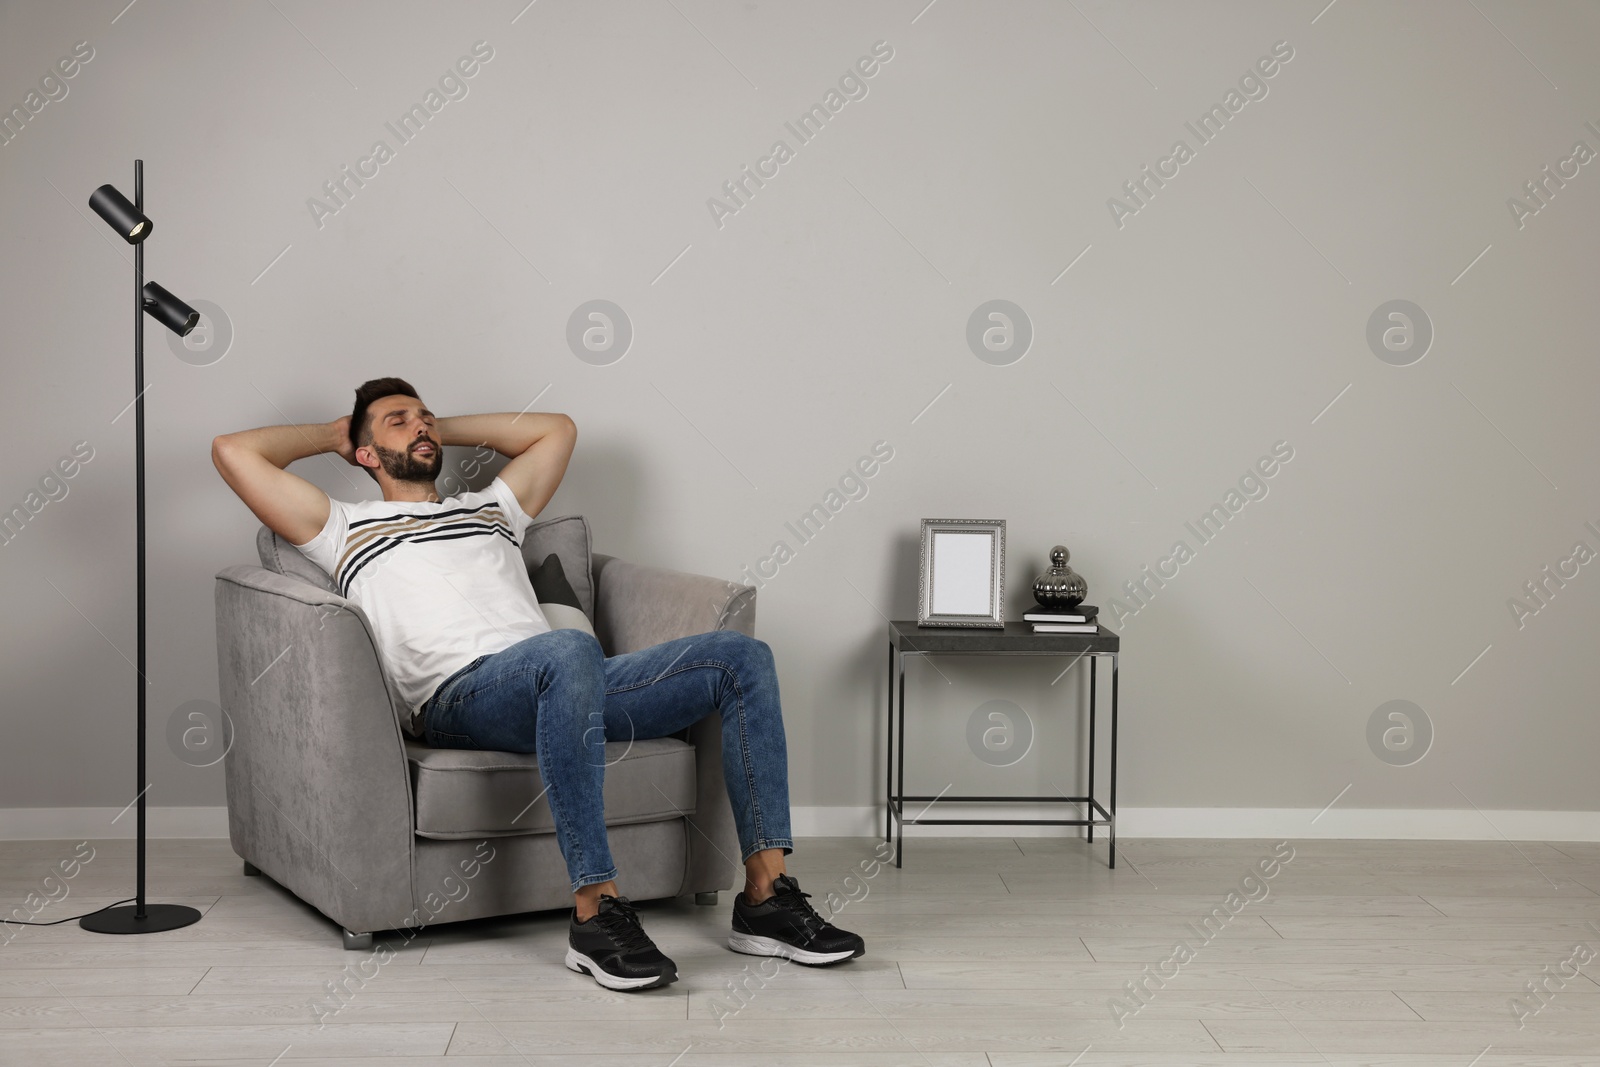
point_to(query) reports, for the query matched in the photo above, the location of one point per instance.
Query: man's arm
(539, 445)
(252, 462)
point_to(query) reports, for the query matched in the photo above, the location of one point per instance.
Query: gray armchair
(378, 831)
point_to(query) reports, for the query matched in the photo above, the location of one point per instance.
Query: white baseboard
(1454, 824)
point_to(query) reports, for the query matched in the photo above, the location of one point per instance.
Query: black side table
(906, 638)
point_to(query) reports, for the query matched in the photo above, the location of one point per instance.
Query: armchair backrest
(277, 554)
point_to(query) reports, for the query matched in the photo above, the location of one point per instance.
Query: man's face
(404, 438)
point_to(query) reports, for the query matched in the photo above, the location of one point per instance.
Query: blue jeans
(557, 695)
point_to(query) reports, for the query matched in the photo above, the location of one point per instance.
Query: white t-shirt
(442, 583)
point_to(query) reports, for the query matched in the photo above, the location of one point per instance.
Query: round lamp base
(124, 920)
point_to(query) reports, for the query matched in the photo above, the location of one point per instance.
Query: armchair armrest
(637, 606)
(319, 795)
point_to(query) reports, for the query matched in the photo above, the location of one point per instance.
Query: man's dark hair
(366, 393)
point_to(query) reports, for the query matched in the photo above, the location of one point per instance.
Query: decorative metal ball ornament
(1060, 586)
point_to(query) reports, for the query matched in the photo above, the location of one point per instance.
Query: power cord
(72, 918)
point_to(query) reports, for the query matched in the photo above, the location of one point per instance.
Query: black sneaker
(786, 925)
(613, 948)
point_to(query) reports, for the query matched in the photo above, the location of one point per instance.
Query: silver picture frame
(961, 573)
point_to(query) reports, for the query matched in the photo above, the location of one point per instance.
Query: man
(459, 629)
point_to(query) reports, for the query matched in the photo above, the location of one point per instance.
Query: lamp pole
(140, 919)
(138, 512)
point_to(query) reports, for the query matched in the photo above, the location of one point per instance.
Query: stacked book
(1078, 619)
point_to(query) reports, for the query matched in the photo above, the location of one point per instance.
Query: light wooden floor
(991, 952)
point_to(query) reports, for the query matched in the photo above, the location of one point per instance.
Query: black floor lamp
(129, 220)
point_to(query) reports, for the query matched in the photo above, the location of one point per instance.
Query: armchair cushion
(568, 537)
(473, 793)
(558, 602)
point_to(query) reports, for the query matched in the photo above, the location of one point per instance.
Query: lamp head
(168, 310)
(127, 220)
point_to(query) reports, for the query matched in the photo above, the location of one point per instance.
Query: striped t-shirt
(442, 583)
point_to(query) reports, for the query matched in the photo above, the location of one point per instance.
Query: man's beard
(409, 467)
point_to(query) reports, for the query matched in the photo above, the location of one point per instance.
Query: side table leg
(1113, 827)
(888, 776)
(900, 824)
(1094, 663)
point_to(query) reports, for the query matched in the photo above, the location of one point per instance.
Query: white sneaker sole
(756, 945)
(577, 961)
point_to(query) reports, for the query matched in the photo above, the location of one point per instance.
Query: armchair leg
(251, 870)
(356, 942)
(706, 898)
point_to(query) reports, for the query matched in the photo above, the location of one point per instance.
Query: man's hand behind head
(342, 426)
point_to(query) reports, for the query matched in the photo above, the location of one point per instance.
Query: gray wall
(774, 346)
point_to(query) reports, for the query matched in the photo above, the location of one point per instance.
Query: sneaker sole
(756, 945)
(577, 961)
